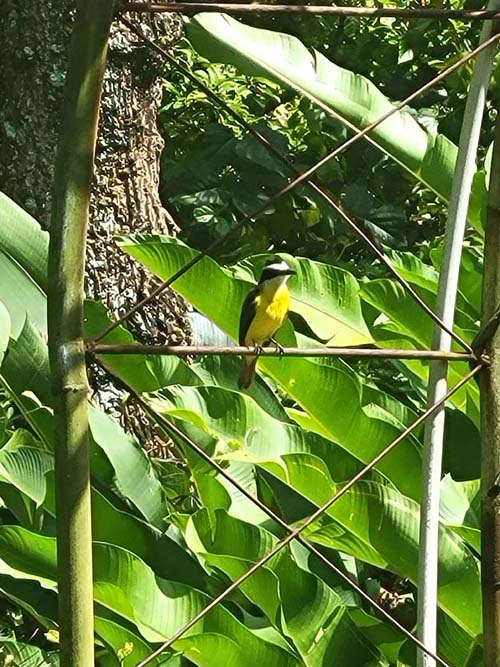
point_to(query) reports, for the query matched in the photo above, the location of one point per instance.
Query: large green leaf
(295, 601)
(127, 646)
(23, 239)
(406, 317)
(135, 478)
(26, 369)
(36, 597)
(245, 432)
(237, 432)
(425, 276)
(461, 509)
(471, 274)
(26, 366)
(387, 532)
(404, 326)
(349, 96)
(26, 468)
(23, 282)
(21, 295)
(24, 465)
(223, 372)
(18, 653)
(378, 524)
(158, 608)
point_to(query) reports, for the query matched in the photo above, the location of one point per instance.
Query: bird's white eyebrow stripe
(277, 266)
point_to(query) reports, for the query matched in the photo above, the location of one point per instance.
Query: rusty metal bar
(331, 10)
(316, 515)
(342, 352)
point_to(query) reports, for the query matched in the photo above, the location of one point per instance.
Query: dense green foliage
(214, 173)
(170, 534)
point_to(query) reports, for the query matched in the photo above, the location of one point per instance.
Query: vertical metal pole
(73, 175)
(490, 423)
(438, 376)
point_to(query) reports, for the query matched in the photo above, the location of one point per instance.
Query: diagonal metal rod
(295, 532)
(297, 181)
(213, 350)
(256, 8)
(322, 192)
(170, 428)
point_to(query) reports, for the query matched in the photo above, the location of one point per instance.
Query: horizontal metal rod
(295, 532)
(206, 350)
(256, 8)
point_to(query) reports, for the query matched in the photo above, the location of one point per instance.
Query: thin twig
(208, 350)
(297, 181)
(322, 192)
(257, 8)
(316, 515)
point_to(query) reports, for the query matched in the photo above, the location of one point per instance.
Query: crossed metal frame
(473, 354)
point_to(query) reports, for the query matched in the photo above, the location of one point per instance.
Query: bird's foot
(279, 348)
(258, 349)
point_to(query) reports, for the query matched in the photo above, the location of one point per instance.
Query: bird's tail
(247, 372)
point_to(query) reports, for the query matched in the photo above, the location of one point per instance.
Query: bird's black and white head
(275, 273)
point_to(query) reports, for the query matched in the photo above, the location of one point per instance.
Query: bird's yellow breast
(271, 312)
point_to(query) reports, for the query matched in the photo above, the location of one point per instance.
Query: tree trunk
(35, 37)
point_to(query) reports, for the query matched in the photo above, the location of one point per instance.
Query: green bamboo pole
(73, 176)
(490, 418)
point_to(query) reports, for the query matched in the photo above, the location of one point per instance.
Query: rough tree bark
(35, 37)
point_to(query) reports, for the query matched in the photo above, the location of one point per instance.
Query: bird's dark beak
(291, 272)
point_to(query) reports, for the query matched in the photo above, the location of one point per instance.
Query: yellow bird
(263, 312)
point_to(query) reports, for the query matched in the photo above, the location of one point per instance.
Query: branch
(212, 350)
